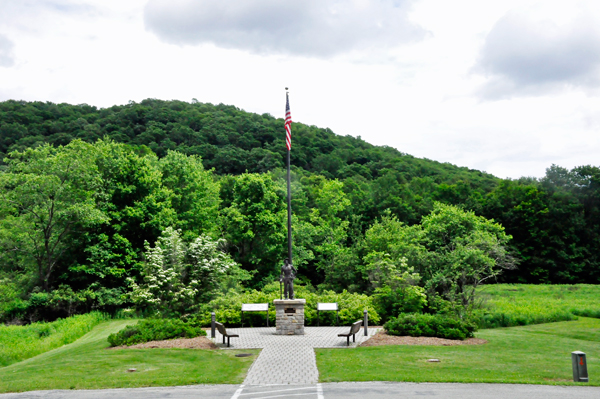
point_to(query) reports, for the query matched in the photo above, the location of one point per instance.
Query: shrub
(155, 330)
(403, 299)
(228, 307)
(426, 325)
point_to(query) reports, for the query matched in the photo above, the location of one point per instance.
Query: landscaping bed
(182, 343)
(382, 338)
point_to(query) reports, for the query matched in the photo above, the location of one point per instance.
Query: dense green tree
(453, 251)
(160, 163)
(253, 221)
(463, 251)
(47, 195)
(195, 196)
(139, 208)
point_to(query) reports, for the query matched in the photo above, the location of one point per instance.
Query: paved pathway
(338, 390)
(288, 359)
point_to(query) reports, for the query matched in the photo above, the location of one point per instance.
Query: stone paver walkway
(288, 359)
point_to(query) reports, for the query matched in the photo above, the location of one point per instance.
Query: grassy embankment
(18, 343)
(88, 364)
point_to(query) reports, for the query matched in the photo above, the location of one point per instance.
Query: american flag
(288, 123)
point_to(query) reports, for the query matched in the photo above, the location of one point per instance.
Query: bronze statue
(288, 274)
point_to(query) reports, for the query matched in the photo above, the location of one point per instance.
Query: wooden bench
(223, 332)
(353, 330)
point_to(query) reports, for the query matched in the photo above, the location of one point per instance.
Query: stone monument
(289, 315)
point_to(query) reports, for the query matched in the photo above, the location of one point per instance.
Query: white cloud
(527, 55)
(417, 97)
(304, 27)
(7, 58)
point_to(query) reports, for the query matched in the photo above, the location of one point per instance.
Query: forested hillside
(83, 189)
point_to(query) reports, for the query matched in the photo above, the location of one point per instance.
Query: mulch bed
(382, 338)
(183, 343)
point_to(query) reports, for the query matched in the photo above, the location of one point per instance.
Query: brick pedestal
(289, 316)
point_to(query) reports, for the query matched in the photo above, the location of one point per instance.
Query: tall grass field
(507, 305)
(22, 342)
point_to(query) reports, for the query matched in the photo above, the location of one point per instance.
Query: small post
(366, 323)
(580, 373)
(213, 319)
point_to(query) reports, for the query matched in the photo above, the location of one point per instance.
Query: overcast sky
(509, 87)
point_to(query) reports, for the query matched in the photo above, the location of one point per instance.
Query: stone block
(292, 321)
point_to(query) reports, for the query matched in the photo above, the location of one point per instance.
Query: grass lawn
(536, 354)
(506, 305)
(87, 364)
(18, 343)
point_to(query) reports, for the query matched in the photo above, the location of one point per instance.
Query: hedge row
(228, 308)
(427, 325)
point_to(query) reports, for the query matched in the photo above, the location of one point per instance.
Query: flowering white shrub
(177, 277)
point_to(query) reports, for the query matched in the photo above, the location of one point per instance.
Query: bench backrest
(355, 327)
(221, 328)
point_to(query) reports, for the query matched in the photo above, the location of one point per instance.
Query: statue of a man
(288, 274)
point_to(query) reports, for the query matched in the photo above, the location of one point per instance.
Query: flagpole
(289, 190)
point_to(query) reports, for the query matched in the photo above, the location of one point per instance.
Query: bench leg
(348, 340)
(223, 340)
(228, 342)
(353, 337)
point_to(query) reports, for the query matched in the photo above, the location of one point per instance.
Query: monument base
(289, 316)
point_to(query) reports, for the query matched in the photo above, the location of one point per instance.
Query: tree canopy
(90, 195)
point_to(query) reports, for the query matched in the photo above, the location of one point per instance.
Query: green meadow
(506, 305)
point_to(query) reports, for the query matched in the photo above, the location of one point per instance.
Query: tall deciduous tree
(195, 192)
(464, 250)
(253, 220)
(47, 194)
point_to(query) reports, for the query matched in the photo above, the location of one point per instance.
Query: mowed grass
(22, 342)
(536, 354)
(88, 364)
(504, 305)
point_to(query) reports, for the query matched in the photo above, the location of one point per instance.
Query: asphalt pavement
(341, 390)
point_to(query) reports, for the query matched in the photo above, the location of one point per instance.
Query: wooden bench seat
(353, 330)
(223, 332)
